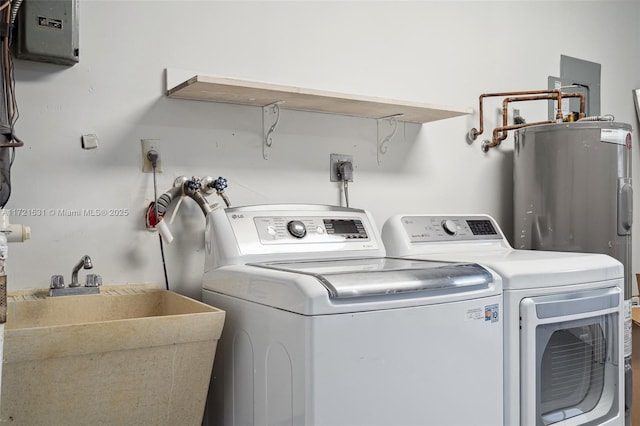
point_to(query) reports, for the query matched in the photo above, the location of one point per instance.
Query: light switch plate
(89, 141)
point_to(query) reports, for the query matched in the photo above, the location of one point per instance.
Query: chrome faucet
(84, 263)
(57, 287)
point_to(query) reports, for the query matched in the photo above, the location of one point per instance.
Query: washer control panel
(274, 232)
(289, 229)
(429, 228)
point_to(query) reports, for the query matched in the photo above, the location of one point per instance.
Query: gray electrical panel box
(47, 31)
(577, 75)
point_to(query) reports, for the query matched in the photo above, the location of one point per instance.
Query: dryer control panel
(408, 235)
(420, 229)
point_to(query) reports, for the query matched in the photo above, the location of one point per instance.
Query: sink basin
(130, 355)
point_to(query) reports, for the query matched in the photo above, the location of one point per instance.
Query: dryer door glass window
(572, 368)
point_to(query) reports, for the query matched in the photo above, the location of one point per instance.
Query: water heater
(572, 189)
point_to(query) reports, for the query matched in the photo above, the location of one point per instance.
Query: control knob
(296, 228)
(449, 227)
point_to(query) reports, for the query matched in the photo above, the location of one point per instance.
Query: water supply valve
(218, 185)
(193, 188)
(193, 184)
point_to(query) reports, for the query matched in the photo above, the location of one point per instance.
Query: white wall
(434, 52)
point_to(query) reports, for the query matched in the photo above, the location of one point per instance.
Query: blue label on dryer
(492, 313)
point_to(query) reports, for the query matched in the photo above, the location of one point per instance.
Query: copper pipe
(506, 101)
(559, 116)
(501, 133)
(496, 140)
(533, 98)
(473, 133)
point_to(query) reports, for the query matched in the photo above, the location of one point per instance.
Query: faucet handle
(93, 280)
(57, 281)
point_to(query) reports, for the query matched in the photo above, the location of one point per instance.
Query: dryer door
(571, 360)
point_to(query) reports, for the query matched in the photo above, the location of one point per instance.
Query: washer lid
(362, 277)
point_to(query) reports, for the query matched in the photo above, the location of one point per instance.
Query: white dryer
(563, 318)
(322, 329)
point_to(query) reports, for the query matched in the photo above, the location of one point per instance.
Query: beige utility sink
(127, 356)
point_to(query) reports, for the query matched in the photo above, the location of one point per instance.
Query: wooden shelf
(226, 90)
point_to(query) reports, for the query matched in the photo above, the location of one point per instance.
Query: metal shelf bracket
(270, 119)
(387, 129)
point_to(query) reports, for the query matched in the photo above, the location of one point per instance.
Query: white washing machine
(563, 318)
(322, 329)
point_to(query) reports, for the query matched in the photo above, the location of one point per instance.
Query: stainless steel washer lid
(348, 278)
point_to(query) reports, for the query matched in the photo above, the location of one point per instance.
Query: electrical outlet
(147, 146)
(334, 161)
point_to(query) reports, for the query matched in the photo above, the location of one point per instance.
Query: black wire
(155, 203)
(12, 84)
(164, 265)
